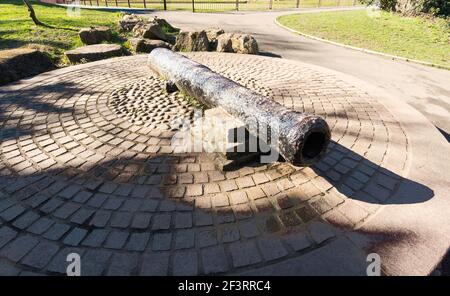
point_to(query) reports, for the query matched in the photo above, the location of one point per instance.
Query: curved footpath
(425, 88)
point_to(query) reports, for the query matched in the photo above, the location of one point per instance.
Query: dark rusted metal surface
(302, 138)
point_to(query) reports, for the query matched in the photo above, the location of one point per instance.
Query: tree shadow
(358, 178)
(30, 100)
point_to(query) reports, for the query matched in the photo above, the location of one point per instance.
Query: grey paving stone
(6, 269)
(149, 205)
(155, 264)
(320, 231)
(112, 204)
(5, 204)
(202, 218)
(248, 229)
(124, 189)
(131, 205)
(108, 187)
(185, 239)
(116, 239)
(95, 238)
(40, 226)
(137, 241)
(161, 241)
(19, 247)
(298, 241)
(97, 200)
(70, 191)
(12, 212)
(272, 248)
(206, 237)
(75, 237)
(51, 205)
(167, 206)
(225, 215)
(214, 260)
(161, 221)
(185, 263)
(56, 231)
(183, 220)
(26, 220)
(121, 220)
(230, 233)
(185, 206)
(100, 219)
(244, 253)
(141, 220)
(123, 264)
(82, 197)
(94, 262)
(6, 235)
(82, 216)
(66, 210)
(37, 200)
(41, 255)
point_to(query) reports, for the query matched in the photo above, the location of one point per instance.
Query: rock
(150, 30)
(128, 22)
(165, 25)
(224, 43)
(19, 63)
(94, 52)
(147, 45)
(212, 35)
(237, 43)
(191, 41)
(95, 35)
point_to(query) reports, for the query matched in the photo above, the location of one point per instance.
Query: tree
(33, 14)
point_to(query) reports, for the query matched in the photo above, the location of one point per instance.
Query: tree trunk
(33, 14)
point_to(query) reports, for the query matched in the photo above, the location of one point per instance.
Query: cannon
(302, 139)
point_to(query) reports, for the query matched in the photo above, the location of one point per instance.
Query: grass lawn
(17, 29)
(415, 38)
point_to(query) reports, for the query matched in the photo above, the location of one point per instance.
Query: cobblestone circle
(78, 175)
(146, 102)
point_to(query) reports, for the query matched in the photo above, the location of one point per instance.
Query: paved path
(82, 171)
(425, 88)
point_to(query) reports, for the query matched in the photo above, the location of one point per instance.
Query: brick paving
(77, 174)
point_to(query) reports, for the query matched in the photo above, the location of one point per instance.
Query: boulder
(94, 52)
(19, 63)
(95, 35)
(237, 43)
(147, 45)
(150, 30)
(212, 35)
(128, 21)
(191, 41)
(165, 25)
(224, 43)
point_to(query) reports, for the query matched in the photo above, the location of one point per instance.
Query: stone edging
(393, 57)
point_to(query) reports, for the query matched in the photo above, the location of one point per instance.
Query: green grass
(17, 29)
(410, 37)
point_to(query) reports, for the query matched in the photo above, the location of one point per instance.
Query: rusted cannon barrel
(302, 138)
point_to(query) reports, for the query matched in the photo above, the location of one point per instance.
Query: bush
(437, 7)
(411, 7)
(388, 5)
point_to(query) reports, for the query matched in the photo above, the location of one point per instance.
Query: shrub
(412, 7)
